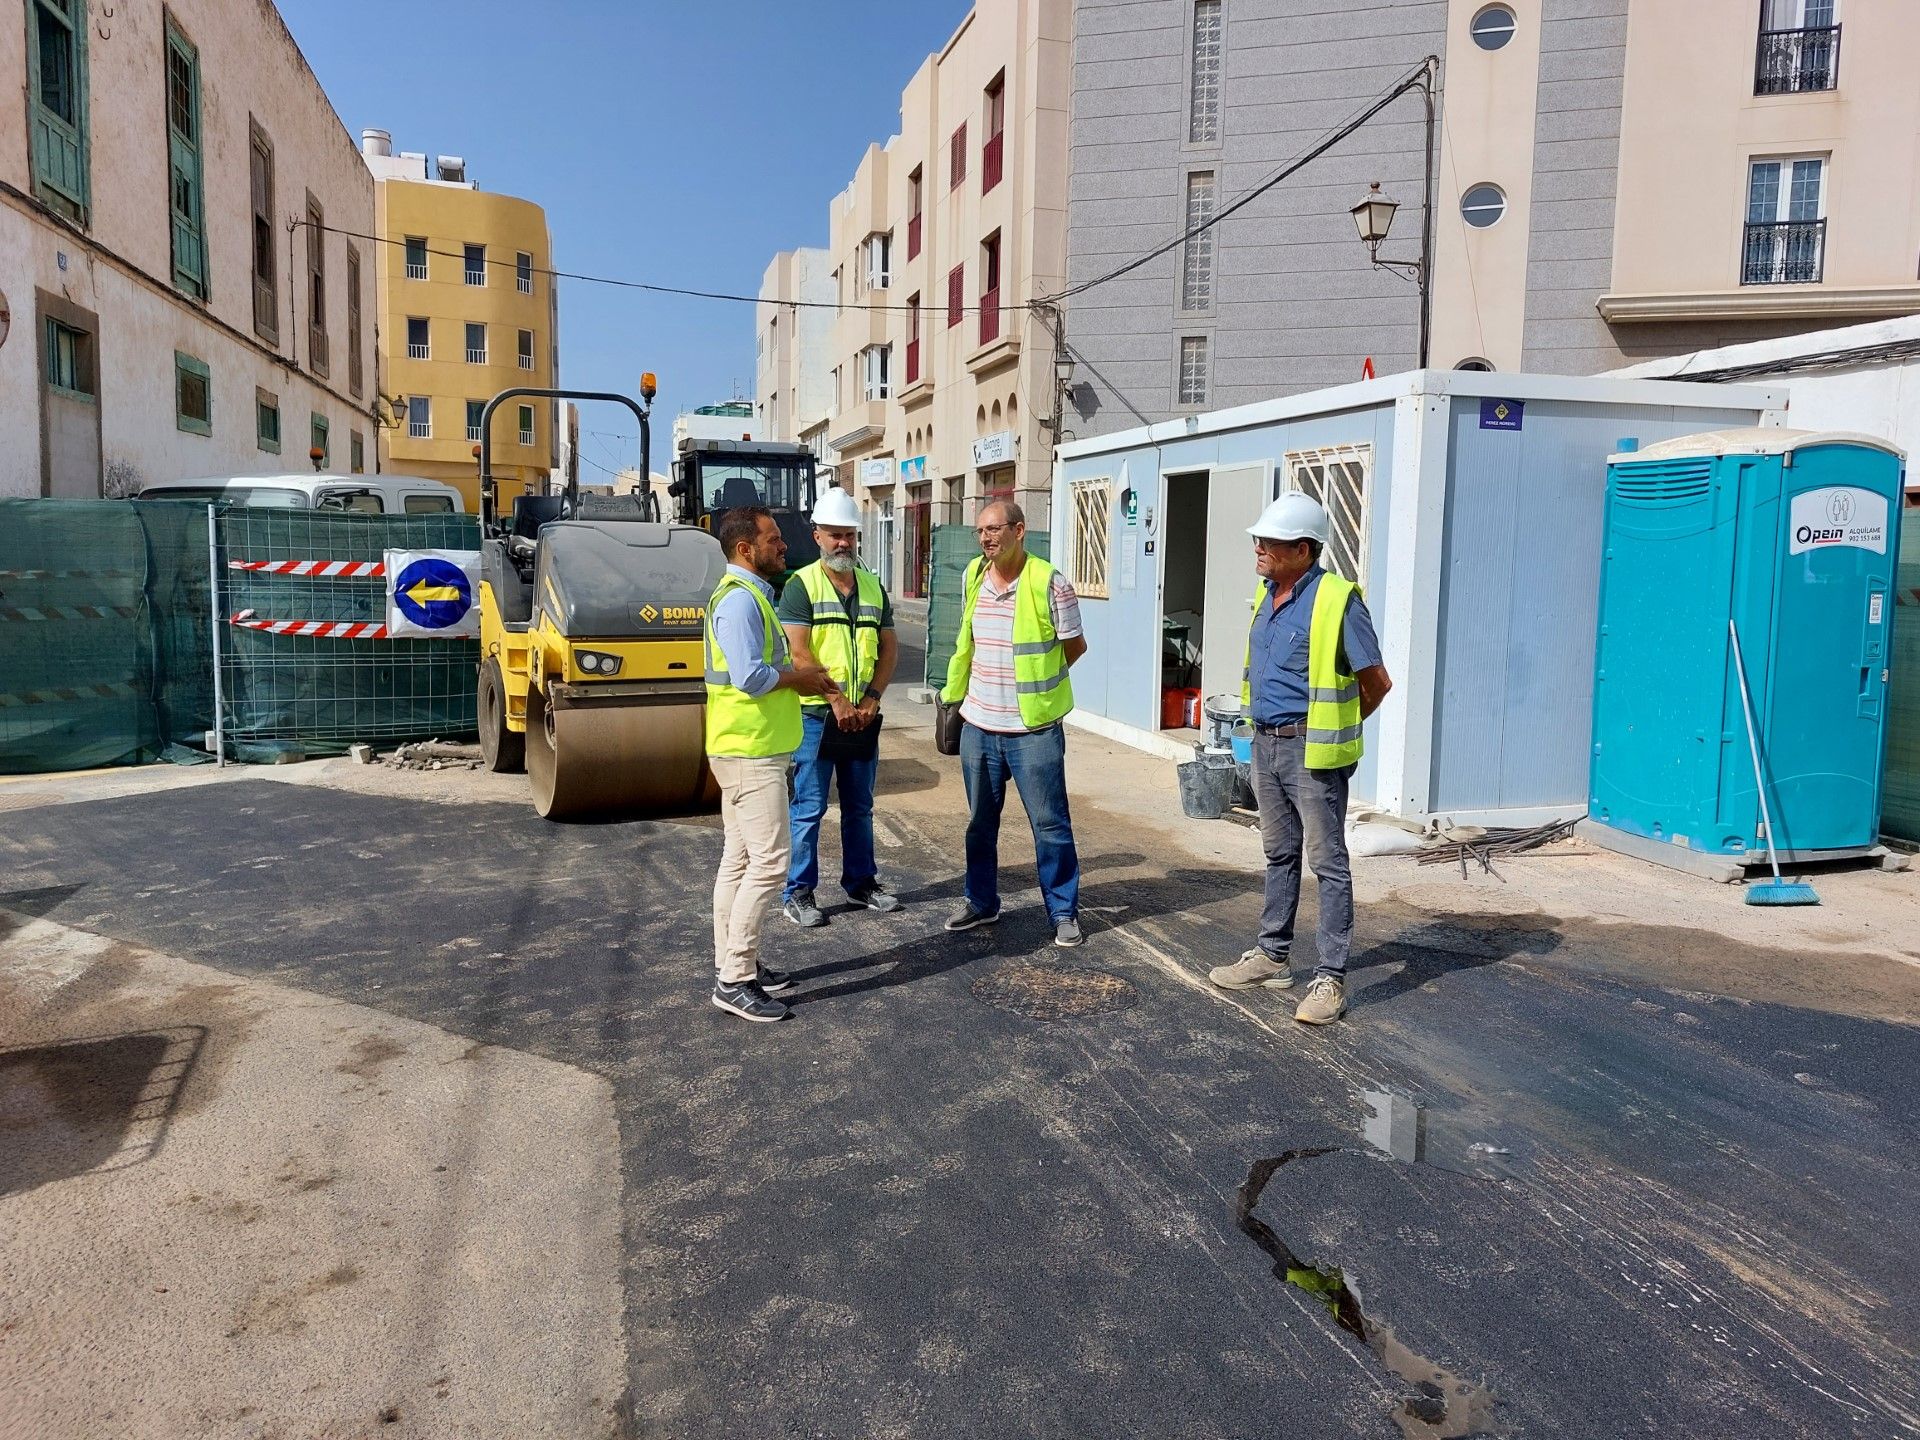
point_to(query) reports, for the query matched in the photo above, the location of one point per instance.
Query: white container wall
(1469, 505)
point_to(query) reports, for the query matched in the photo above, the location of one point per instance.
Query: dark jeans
(1293, 799)
(1037, 764)
(812, 775)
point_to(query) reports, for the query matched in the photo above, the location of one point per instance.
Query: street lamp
(1373, 218)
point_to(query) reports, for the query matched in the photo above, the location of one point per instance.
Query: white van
(368, 494)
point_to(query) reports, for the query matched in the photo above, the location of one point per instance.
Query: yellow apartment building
(467, 310)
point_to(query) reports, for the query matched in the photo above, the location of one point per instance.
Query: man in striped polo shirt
(1019, 633)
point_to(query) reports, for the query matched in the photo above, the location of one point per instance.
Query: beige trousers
(753, 866)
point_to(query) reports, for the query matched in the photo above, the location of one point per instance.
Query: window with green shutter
(192, 394)
(317, 448)
(57, 103)
(266, 418)
(184, 165)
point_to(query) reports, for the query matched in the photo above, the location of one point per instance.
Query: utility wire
(1421, 74)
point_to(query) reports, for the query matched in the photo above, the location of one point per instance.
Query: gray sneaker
(966, 917)
(1066, 933)
(1255, 968)
(874, 896)
(802, 911)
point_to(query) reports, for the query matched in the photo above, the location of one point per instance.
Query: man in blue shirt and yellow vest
(835, 611)
(753, 728)
(1313, 675)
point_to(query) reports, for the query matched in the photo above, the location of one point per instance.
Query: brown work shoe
(1326, 1002)
(1256, 967)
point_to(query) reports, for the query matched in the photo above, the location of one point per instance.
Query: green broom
(1775, 891)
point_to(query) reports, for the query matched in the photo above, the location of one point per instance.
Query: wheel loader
(592, 619)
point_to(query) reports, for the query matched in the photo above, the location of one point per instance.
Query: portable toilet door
(1824, 711)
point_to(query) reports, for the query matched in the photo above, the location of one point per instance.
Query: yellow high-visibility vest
(1039, 655)
(1333, 696)
(846, 637)
(738, 723)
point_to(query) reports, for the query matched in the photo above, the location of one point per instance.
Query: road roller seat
(530, 512)
(507, 567)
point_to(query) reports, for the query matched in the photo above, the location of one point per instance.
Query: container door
(1826, 704)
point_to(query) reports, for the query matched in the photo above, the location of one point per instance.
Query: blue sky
(677, 144)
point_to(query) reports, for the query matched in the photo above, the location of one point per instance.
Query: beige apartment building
(793, 366)
(181, 290)
(941, 380)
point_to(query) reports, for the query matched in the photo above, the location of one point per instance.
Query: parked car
(369, 494)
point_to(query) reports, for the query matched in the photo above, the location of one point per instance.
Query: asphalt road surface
(980, 1186)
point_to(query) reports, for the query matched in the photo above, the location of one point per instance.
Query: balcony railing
(473, 432)
(476, 357)
(1786, 252)
(913, 236)
(990, 161)
(526, 284)
(476, 275)
(422, 429)
(526, 362)
(416, 269)
(526, 437)
(419, 350)
(913, 361)
(989, 315)
(1792, 61)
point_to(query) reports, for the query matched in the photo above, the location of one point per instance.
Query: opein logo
(1839, 511)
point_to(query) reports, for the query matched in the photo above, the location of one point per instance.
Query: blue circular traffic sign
(433, 593)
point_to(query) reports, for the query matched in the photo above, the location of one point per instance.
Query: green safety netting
(1900, 806)
(954, 548)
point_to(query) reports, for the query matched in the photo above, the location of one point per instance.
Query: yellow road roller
(592, 664)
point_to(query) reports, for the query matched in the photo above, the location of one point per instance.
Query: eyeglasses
(987, 531)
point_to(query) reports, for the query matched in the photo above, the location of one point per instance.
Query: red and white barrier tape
(320, 569)
(314, 629)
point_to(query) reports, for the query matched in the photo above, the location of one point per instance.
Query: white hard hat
(1292, 517)
(836, 508)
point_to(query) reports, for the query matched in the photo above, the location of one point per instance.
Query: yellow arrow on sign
(425, 594)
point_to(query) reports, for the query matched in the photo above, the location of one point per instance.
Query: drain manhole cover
(1054, 992)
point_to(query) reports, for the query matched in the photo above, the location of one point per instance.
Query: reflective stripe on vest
(738, 723)
(1039, 656)
(1333, 696)
(841, 642)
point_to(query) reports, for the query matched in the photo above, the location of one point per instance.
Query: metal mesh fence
(954, 548)
(1901, 805)
(318, 694)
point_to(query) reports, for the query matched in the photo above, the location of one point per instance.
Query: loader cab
(711, 477)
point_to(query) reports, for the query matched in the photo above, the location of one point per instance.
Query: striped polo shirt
(993, 700)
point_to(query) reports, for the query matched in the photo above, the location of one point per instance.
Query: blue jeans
(1038, 765)
(811, 778)
(1302, 809)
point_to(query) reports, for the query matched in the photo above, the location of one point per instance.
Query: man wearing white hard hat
(835, 611)
(1313, 675)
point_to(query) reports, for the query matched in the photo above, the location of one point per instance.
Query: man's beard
(840, 564)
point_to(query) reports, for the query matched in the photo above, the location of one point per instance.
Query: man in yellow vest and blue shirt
(1313, 675)
(836, 612)
(753, 727)
(1019, 631)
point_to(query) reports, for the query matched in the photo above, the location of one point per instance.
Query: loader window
(779, 484)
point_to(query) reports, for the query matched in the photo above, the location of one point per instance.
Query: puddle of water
(1438, 1405)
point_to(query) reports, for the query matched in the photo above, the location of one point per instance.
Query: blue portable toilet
(1794, 535)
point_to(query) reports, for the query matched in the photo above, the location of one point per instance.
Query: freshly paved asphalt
(913, 1211)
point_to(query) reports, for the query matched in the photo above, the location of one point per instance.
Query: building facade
(793, 366)
(940, 381)
(181, 294)
(1612, 182)
(467, 310)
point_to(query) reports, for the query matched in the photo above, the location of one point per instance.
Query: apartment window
(1196, 268)
(1092, 525)
(192, 395)
(57, 103)
(1193, 370)
(317, 358)
(1493, 27)
(416, 257)
(526, 350)
(266, 421)
(69, 359)
(1338, 477)
(184, 165)
(957, 157)
(475, 410)
(879, 261)
(875, 362)
(1203, 84)
(356, 452)
(913, 338)
(419, 338)
(266, 273)
(420, 418)
(1799, 47)
(956, 295)
(914, 188)
(318, 445)
(838, 393)
(1483, 205)
(476, 265)
(476, 343)
(991, 156)
(355, 365)
(1786, 233)
(526, 424)
(990, 288)
(523, 272)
